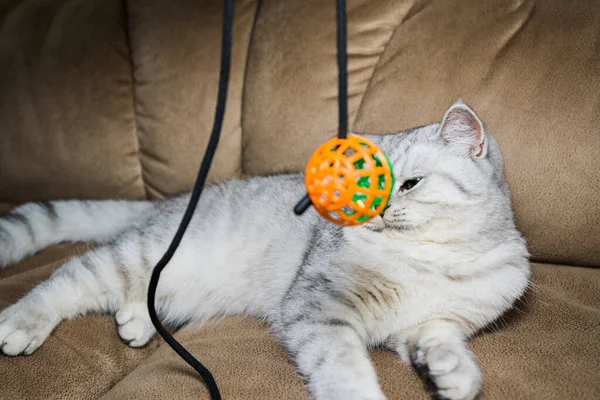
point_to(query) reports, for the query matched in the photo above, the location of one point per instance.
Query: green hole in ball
(393, 179)
(376, 202)
(359, 197)
(359, 164)
(381, 182)
(363, 218)
(363, 181)
(377, 161)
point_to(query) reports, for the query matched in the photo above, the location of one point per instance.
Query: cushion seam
(402, 20)
(243, 94)
(134, 96)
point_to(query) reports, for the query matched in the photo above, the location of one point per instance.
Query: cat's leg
(438, 352)
(34, 226)
(332, 358)
(108, 279)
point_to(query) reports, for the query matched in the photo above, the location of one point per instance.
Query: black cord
(195, 196)
(342, 61)
(209, 154)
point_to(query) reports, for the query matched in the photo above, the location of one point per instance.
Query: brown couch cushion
(67, 119)
(290, 101)
(548, 348)
(530, 69)
(69, 131)
(81, 359)
(115, 99)
(175, 52)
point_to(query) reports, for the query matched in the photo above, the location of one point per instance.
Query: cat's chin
(379, 224)
(395, 227)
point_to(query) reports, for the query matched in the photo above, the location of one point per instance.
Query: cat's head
(448, 173)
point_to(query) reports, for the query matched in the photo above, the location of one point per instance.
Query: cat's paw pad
(449, 370)
(22, 332)
(134, 324)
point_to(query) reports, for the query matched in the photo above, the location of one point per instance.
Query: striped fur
(442, 262)
(35, 226)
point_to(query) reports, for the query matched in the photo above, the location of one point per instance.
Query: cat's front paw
(23, 330)
(449, 371)
(134, 324)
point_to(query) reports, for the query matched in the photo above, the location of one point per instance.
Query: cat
(442, 262)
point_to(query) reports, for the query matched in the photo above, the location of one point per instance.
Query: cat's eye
(409, 184)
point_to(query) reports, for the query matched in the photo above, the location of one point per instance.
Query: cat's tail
(34, 226)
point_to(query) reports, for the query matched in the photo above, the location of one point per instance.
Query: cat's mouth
(376, 224)
(380, 223)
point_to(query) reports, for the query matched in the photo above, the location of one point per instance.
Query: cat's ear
(462, 130)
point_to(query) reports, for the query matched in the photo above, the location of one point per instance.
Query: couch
(115, 99)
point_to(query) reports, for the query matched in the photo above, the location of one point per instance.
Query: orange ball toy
(349, 181)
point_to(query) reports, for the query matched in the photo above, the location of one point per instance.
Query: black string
(195, 196)
(207, 161)
(342, 61)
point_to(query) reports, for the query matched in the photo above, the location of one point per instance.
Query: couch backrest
(104, 100)
(530, 69)
(110, 98)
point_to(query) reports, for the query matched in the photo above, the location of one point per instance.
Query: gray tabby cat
(443, 261)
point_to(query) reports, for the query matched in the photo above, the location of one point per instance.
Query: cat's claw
(449, 372)
(134, 324)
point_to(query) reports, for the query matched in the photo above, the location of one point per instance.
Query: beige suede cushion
(547, 349)
(176, 53)
(115, 99)
(67, 126)
(530, 69)
(291, 87)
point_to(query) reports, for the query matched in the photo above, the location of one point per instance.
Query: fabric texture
(547, 348)
(175, 55)
(67, 118)
(115, 99)
(529, 69)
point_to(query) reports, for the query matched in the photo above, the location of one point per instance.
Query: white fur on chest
(424, 280)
